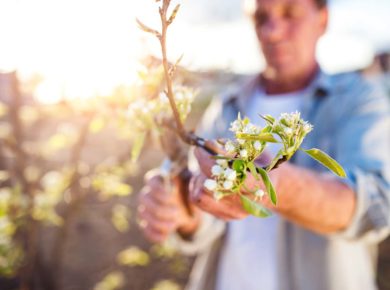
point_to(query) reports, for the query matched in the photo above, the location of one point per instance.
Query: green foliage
(113, 281)
(166, 285)
(54, 160)
(326, 160)
(249, 143)
(120, 218)
(133, 256)
(110, 184)
(268, 184)
(253, 207)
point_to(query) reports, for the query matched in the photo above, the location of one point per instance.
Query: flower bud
(216, 170)
(222, 162)
(244, 153)
(257, 145)
(259, 193)
(210, 184)
(229, 146)
(228, 184)
(230, 174)
(288, 131)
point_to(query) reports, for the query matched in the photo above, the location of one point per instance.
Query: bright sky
(87, 47)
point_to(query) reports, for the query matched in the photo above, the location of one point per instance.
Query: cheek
(304, 41)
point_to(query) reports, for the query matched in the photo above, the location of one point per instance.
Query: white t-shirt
(249, 257)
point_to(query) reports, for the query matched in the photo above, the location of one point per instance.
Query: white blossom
(230, 174)
(236, 126)
(216, 170)
(259, 193)
(228, 184)
(250, 129)
(210, 184)
(244, 153)
(229, 147)
(222, 162)
(241, 141)
(257, 145)
(288, 131)
(307, 127)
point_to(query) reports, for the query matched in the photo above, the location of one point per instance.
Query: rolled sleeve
(210, 230)
(370, 220)
(364, 151)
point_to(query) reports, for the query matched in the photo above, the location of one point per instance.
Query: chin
(280, 71)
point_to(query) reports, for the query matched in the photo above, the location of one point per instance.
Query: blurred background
(68, 176)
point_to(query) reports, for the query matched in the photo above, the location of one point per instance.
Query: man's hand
(317, 202)
(161, 213)
(229, 207)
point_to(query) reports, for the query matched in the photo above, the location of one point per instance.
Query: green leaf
(262, 137)
(174, 13)
(267, 129)
(268, 184)
(254, 208)
(252, 169)
(268, 118)
(275, 160)
(326, 160)
(238, 165)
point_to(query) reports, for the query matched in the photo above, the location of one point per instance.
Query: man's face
(288, 31)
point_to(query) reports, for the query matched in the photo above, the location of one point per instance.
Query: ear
(324, 19)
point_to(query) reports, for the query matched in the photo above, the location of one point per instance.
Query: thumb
(205, 159)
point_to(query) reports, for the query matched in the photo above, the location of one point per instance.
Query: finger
(160, 211)
(204, 199)
(154, 236)
(215, 147)
(205, 161)
(220, 208)
(148, 220)
(159, 194)
(227, 208)
(196, 186)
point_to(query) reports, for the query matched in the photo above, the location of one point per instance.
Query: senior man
(325, 230)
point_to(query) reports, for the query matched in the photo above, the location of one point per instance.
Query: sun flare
(80, 48)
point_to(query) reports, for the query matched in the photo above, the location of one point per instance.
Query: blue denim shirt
(351, 121)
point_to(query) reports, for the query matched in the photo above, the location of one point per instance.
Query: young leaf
(146, 28)
(268, 118)
(238, 165)
(326, 160)
(254, 208)
(275, 160)
(174, 13)
(262, 137)
(268, 184)
(252, 169)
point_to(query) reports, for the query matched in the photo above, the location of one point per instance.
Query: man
(325, 231)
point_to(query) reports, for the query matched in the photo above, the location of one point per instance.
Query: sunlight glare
(81, 48)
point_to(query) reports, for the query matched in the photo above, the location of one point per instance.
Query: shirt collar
(318, 89)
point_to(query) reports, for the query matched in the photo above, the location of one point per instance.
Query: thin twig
(163, 40)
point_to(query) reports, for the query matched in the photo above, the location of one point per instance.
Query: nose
(272, 30)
